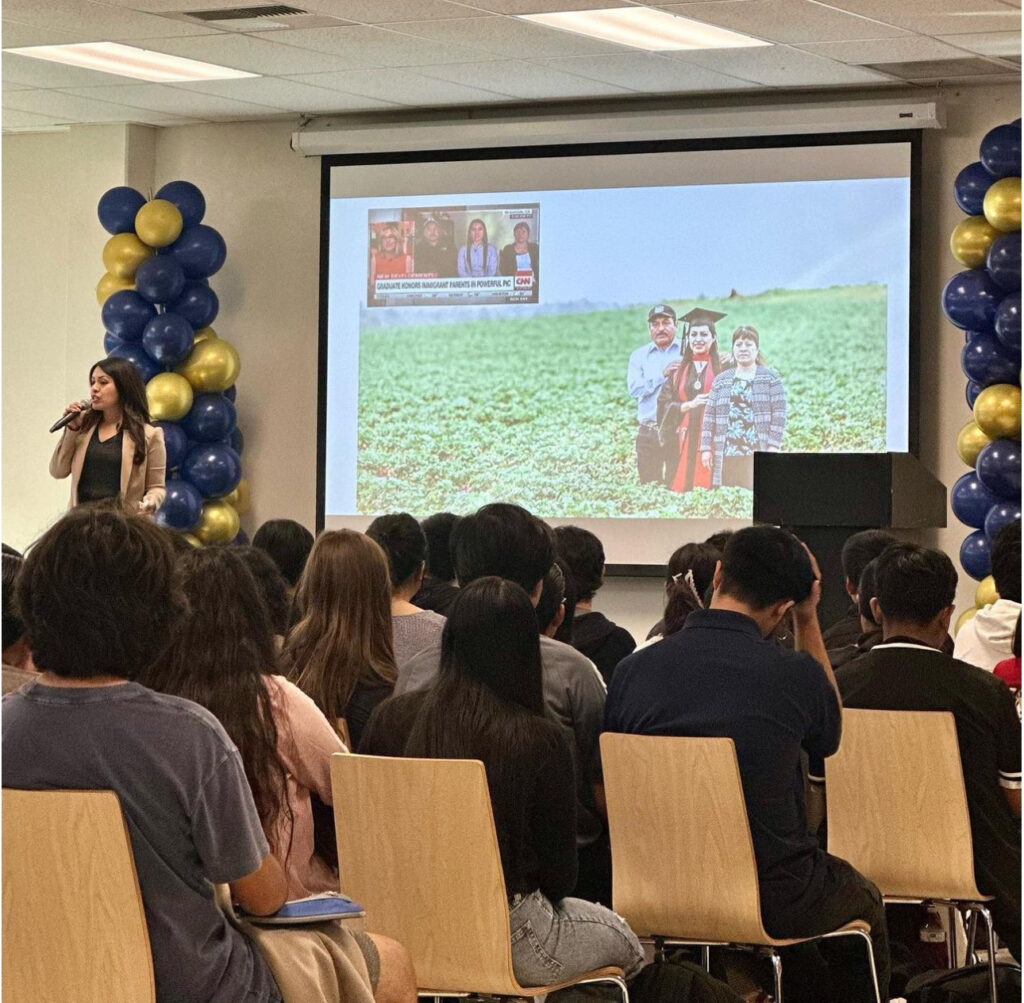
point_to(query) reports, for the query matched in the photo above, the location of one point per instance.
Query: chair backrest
(897, 807)
(417, 848)
(682, 857)
(73, 922)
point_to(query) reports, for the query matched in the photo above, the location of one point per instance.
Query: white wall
(265, 200)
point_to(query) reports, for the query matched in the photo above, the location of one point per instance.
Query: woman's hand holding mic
(77, 407)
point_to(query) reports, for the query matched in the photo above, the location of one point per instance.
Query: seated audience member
(987, 638)
(551, 605)
(488, 704)
(908, 671)
(871, 629)
(272, 587)
(687, 585)
(438, 589)
(97, 598)
(288, 543)
(564, 631)
(719, 676)
(1009, 668)
(17, 660)
(405, 545)
(508, 542)
(858, 550)
(340, 652)
(593, 634)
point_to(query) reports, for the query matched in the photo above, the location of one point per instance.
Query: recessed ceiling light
(128, 61)
(644, 28)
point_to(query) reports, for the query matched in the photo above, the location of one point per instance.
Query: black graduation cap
(698, 315)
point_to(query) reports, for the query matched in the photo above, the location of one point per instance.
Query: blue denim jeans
(552, 943)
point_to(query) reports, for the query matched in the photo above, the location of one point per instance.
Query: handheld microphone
(72, 415)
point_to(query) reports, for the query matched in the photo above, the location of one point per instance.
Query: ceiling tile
(386, 11)
(543, 6)
(16, 35)
(988, 43)
(937, 17)
(62, 107)
(885, 50)
(785, 20)
(12, 120)
(648, 73)
(96, 22)
(43, 74)
(781, 66)
(288, 95)
(404, 87)
(178, 101)
(521, 79)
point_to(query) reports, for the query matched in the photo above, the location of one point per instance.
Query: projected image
(677, 332)
(450, 255)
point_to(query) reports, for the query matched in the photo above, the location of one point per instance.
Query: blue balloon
(168, 339)
(187, 197)
(985, 361)
(200, 250)
(1003, 261)
(182, 506)
(970, 500)
(198, 304)
(159, 280)
(213, 468)
(110, 342)
(970, 300)
(117, 208)
(126, 314)
(1000, 151)
(231, 393)
(974, 555)
(236, 440)
(999, 515)
(175, 442)
(137, 357)
(1008, 325)
(242, 540)
(970, 186)
(998, 468)
(211, 418)
(973, 389)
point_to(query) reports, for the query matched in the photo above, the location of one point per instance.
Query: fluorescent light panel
(128, 61)
(644, 28)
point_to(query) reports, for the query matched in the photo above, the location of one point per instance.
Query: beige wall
(265, 200)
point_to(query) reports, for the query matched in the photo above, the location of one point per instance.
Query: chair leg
(987, 917)
(871, 964)
(777, 972)
(705, 958)
(972, 934)
(954, 922)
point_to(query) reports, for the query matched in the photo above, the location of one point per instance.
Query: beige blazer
(144, 482)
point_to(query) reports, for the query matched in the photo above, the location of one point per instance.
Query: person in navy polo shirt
(722, 676)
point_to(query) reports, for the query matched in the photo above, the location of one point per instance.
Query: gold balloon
(212, 366)
(963, 618)
(111, 284)
(218, 522)
(202, 334)
(239, 498)
(192, 539)
(169, 397)
(123, 254)
(158, 223)
(971, 240)
(985, 594)
(1002, 204)
(970, 441)
(997, 411)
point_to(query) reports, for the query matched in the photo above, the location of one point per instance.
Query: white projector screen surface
(482, 316)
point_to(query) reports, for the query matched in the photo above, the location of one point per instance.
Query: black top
(435, 259)
(839, 656)
(360, 706)
(844, 631)
(904, 674)
(536, 826)
(603, 642)
(435, 594)
(101, 471)
(718, 678)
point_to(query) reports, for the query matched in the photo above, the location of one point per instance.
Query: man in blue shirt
(644, 379)
(722, 676)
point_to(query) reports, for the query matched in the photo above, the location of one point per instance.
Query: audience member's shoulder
(557, 656)
(182, 712)
(420, 670)
(388, 727)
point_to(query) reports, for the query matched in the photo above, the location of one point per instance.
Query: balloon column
(157, 308)
(984, 300)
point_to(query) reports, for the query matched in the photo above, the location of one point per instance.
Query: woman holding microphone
(110, 449)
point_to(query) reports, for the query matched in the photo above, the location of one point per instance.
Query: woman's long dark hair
(131, 393)
(469, 244)
(690, 571)
(221, 650)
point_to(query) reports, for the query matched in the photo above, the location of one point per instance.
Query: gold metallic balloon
(202, 334)
(123, 254)
(1002, 204)
(970, 441)
(111, 284)
(239, 498)
(212, 366)
(985, 594)
(158, 223)
(192, 539)
(997, 411)
(169, 397)
(218, 522)
(971, 240)
(963, 618)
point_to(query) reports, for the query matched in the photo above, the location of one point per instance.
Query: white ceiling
(381, 55)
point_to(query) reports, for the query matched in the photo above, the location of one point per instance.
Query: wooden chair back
(897, 807)
(682, 858)
(73, 922)
(417, 848)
